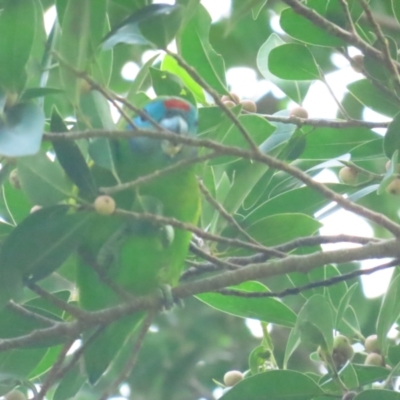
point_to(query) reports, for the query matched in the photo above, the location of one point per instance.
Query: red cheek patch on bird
(176, 103)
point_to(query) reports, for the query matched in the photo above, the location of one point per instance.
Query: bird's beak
(171, 149)
(177, 125)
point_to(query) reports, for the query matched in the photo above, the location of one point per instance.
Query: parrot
(138, 256)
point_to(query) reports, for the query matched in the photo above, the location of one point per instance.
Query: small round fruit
(249, 105)
(11, 99)
(387, 166)
(299, 112)
(371, 344)
(15, 395)
(35, 208)
(342, 350)
(349, 395)
(234, 96)
(104, 205)
(231, 378)
(358, 63)
(394, 187)
(14, 180)
(374, 359)
(229, 103)
(348, 175)
(85, 86)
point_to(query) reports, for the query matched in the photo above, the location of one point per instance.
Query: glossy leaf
(315, 323)
(197, 51)
(43, 180)
(373, 394)
(17, 31)
(74, 45)
(391, 142)
(38, 246)
(13, 370)
(70, 384)
(21, 130)
(71, 159)
(274, 384)
(265, 309)
(389, 312)
(295, 90)
(396, 9)
(369, 95)
(282, 59)
(155, 24)
(167, 84)
(171, 65)
(281, 228)
(304, 30)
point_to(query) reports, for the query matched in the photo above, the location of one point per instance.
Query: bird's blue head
(173, 114)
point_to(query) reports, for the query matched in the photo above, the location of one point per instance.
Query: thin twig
(228, 217)
(29, 314)
(322, 283)
(52, 375)
(346, 10)
(295, 263)
(130, 364)
(157, 174)
(384, 43)
(215, 95)
(161, 220)
(62, 305)
(272, 162)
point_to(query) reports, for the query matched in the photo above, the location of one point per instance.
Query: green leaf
(367, 374)
(42, 180)
(16, 203)
(281, 228)
(32, 93)
(71, 159)
(282, 59)
(155, 24)
(247, 173)
(276, 385)
(347, 375)
(197, 51)
(327, 143)
(389, 312)
(38, 246)
(74, 45)
(344, 302)
(391, 142)
(374, 67)
(257, 8)
(17, 31)
(392, 171)
(303, 200)
(264, 309)
(295, 90)
(315, 323)
(306, 31)
(12, 370)
(168, 84)
(369, 95)
(374, 394)
(171, 65)
(396, 9)
(70, 384)
(21, 130)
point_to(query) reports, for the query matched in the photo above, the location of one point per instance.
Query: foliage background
(67, 79)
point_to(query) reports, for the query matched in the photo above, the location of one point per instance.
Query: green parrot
(138, 256)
